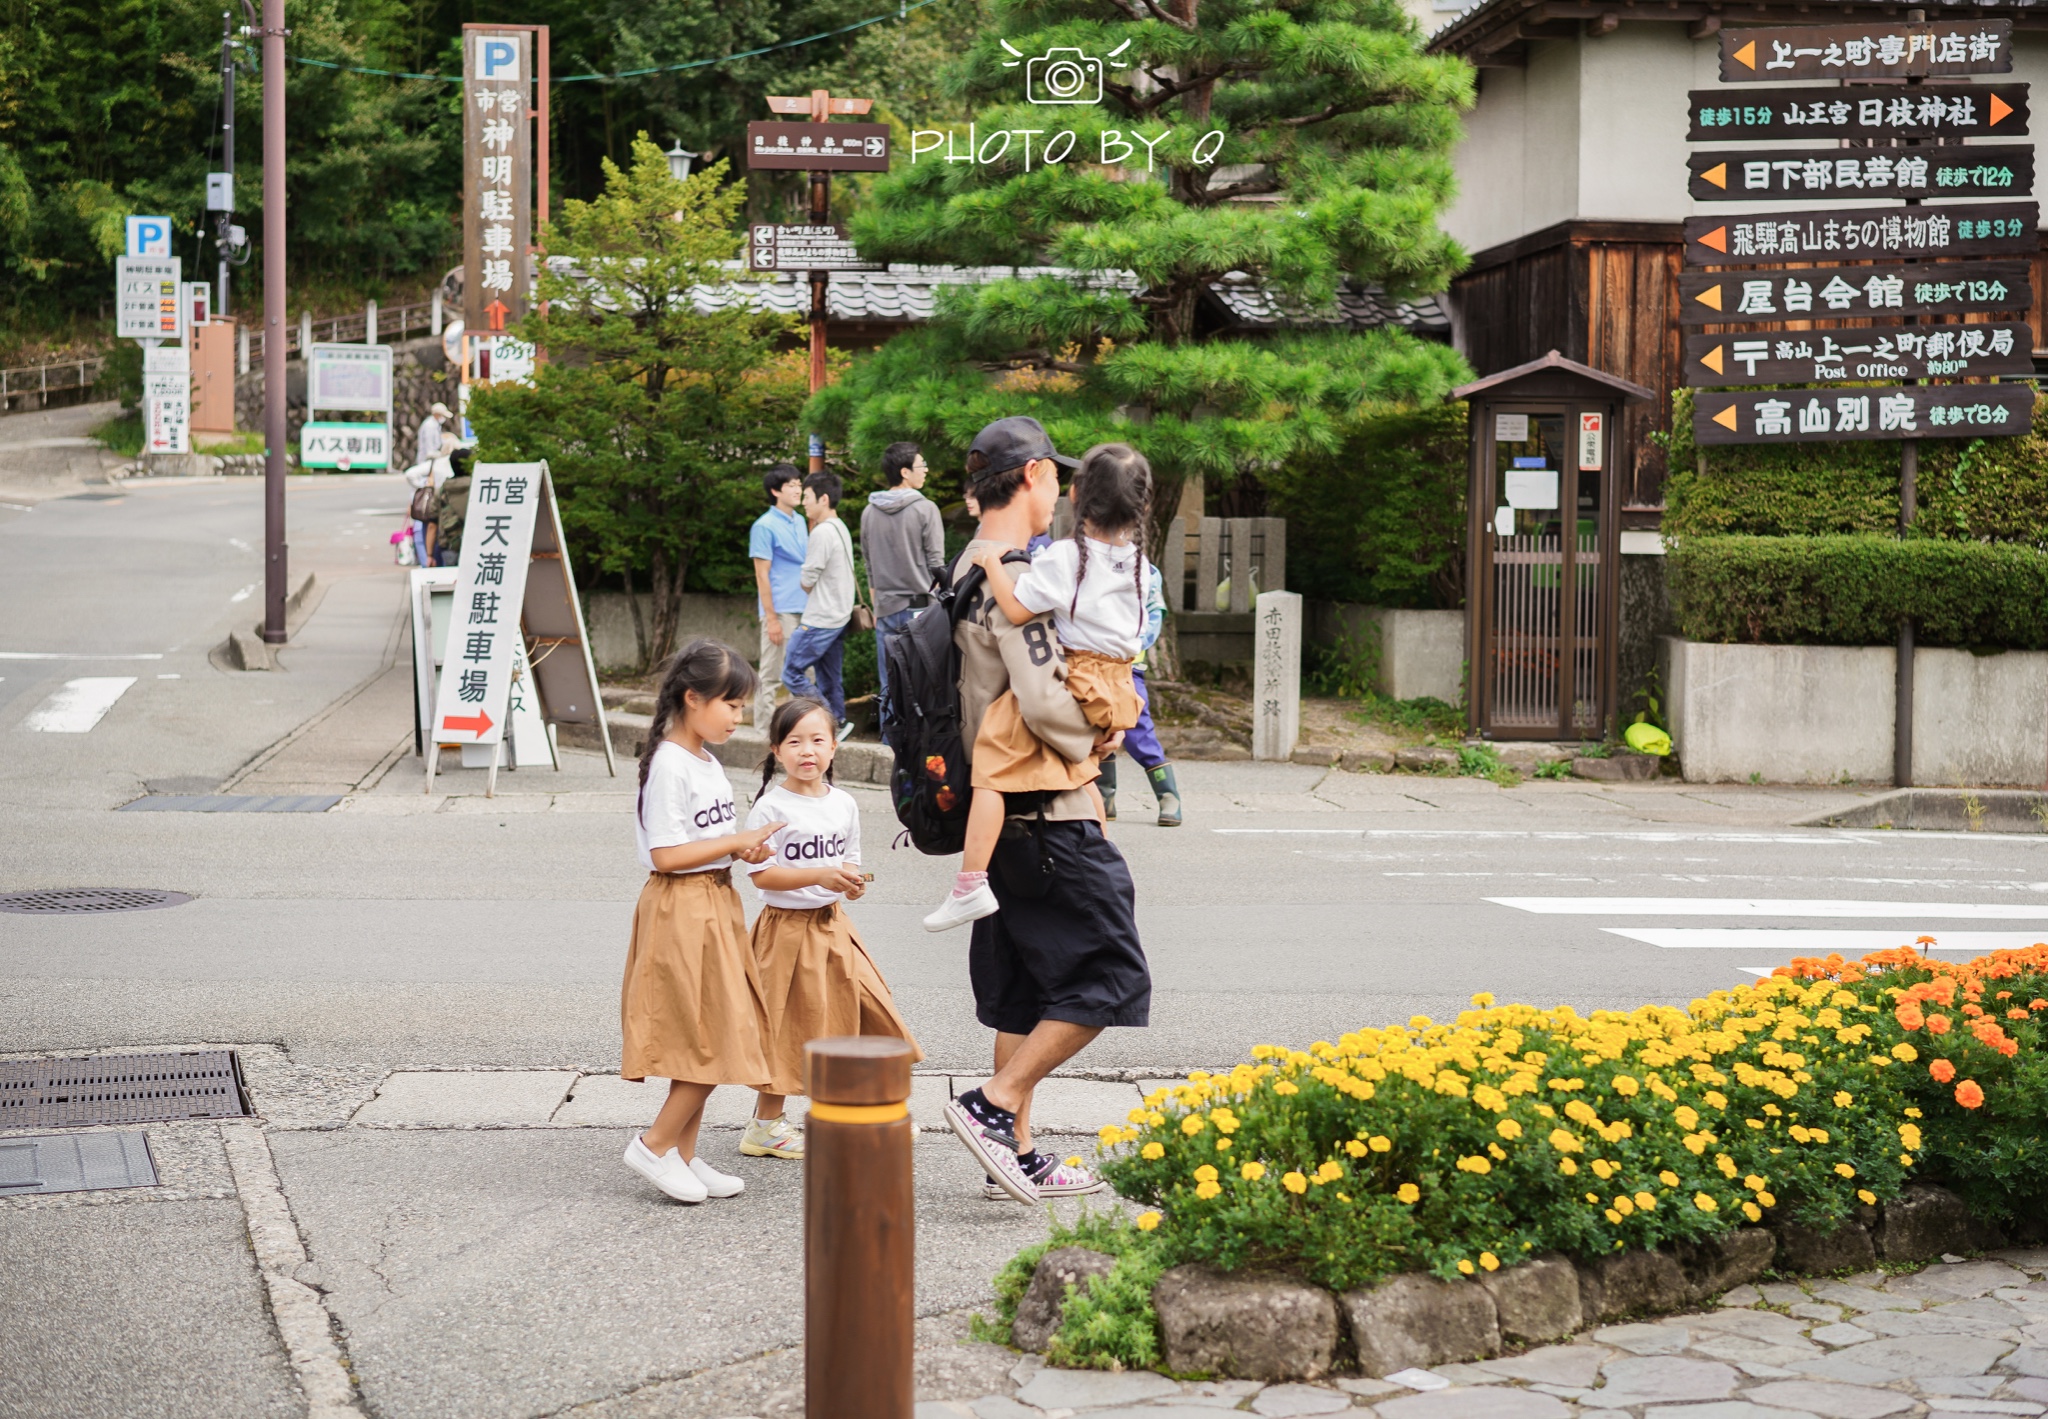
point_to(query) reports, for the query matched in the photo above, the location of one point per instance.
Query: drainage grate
(121, 1088)
(232, 803)
(81, 1162)
(69, 901)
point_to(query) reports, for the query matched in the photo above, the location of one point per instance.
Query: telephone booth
(1542, 601)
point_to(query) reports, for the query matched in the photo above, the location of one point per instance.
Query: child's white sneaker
(958, 911)
(666, 1171)
(771, 1138)
(717, 1184)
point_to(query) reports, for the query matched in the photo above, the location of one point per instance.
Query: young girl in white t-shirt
(691, 1008)
(817, 974)
(1094, 586)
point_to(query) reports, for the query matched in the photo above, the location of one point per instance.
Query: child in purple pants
(1142, 742)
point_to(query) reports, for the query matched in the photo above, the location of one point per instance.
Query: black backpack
(921, 721)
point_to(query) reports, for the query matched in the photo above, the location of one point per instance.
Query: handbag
(863, 618)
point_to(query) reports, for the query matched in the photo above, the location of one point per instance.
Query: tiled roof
(909, 293)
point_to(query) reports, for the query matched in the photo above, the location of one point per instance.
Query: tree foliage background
(1333, 167)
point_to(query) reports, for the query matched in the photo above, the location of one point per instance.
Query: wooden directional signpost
(1905, 144)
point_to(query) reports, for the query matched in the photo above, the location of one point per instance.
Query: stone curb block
(1246, 1325)
(1039, 1313)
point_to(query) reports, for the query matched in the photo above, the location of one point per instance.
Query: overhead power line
(900, 12)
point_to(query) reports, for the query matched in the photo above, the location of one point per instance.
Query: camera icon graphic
(1064, 74)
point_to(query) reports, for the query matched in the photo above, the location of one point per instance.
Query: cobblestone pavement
(1962, 1337)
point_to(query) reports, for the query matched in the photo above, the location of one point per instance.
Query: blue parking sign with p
(149, 236)
(498, 58)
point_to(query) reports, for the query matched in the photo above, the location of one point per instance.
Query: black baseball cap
(1012, 443)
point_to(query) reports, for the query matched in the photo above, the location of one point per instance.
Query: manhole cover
(121, 1088)
(78, 1162)
(66, 901)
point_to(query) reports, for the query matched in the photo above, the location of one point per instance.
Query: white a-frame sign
(515, 631)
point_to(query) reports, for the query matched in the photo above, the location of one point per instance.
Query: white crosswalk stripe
(79, 705)
(1792, 941)
(1838, 908)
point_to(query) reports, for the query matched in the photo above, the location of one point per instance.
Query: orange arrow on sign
(1747, 55)
(1718, 175)
(1710, 297)
(1715, 240)
(495, 313)
(1726, 418)
(478, 723)
(1712, 359)
(1999, 109)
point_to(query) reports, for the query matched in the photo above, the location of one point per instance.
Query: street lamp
(679, 161)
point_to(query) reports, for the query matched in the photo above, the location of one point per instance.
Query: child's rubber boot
(1168, 793)
(1106, 786)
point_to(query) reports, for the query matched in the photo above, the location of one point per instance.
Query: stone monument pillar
(1276, 674)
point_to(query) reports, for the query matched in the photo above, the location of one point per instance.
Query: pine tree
(1303, 144)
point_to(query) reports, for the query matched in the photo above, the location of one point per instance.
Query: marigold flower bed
(1463, 1147)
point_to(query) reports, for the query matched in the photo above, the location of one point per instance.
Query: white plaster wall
(1977, 719)
(1518, 166)
(1632, 146)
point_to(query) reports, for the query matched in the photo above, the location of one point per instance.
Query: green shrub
(1852, 590)
(1109, 1323)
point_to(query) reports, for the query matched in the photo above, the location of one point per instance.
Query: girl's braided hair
(1112, 494)
(786, 718)
(714, 670)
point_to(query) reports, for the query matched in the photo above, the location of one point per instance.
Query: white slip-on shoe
(717, 1184)
(996, 1153)
(667, 1171)
(958, 911)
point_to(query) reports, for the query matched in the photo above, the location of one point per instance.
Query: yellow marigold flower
(1488, 1261)
(1330, 1171)
(1466, 1267)
(1223, 1145)
(1715, 1099)
(1155, 1118)
(1688, 1118)
(1252, 1172)
(1819, 1135)
(1192, 1125)
(1508, 1128)
(1419, 1022)
(1865, 1196)
(1594, 1198)
(1477, 1163)
(1285, 1086)
(1624, 1205)
(1569, 1168)
(1152, 1152)
(1754, 1122)
(1355, 1148)
(1705, 1203)
(1407, 1192)
(1843, 1098)
(1207, 1190)
(1294, 1182)
(1905, 1160)
(1752, 1212)
(1612, 1216)
(1754, 1183)
(1136, 1115)
(1904, 1053)
(1645, 1202)
(1912, 1113)
(1497, 1153)
(1845, 1170)
(1108, 1135)
(1799, 1133)
(1564, 1141)
(1696, 1143)
(1765, 1199)
(1668, 1178)
(1625, 1086)
(1379, 1144)
(1602, 1169)
(1148, 1221)
(1205, 1173)
(1909, 1134)
(1225, 1121)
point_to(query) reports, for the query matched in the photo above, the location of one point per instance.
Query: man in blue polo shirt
(777, 544)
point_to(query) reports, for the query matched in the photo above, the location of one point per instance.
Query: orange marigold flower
(1909, 1015)
(2015, 1014)
(1973, 1009)
(1969, 1095)
(1942, 1071)
(1937, 1024)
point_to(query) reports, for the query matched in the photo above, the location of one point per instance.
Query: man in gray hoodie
(904, 546)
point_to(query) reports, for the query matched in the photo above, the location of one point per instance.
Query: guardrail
(40, 381)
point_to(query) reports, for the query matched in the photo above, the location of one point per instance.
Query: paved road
(485, 1265)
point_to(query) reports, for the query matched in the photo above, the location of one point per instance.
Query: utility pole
(274, 564)
(1909, 478)
(225, 220)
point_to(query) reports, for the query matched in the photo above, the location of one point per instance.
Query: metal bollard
(859, 1230)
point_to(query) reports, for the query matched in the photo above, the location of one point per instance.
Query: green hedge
(1852, 590)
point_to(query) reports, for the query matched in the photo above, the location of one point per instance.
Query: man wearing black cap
(1060, 960)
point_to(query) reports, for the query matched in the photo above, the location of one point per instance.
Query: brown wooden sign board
(804, 248)
(819, 147)
(1863, 111)
(1854, 292)
(1768, 174)
(1872, 50)
(1865, 353)
(497, 177)
(1953, 411)
(1864, 233)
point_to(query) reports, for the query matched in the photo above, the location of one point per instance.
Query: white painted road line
(70, 655)
(1770, 906)
(1797, 941)
(80, 705)
(244, 594)
(1833, 839)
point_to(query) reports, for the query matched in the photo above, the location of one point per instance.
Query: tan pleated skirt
(820, 982)
(691, 1007)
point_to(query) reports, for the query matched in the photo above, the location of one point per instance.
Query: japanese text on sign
(1987, 229)
(819, 147)
(805, 248)
(344, 446)
(1952, 172)
(1880, 50)
(490, 589)
(1810, 416)
(1854, 292)
(1808, 357)
(1996, 110)
(497, 170)
(147, 306)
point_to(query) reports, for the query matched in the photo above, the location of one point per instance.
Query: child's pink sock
(965, 884)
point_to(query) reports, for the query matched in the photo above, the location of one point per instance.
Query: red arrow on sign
(478, 723)
(495, 313)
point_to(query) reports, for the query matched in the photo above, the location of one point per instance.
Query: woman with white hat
(428, 472)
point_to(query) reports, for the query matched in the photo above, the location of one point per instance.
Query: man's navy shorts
(1070, 952)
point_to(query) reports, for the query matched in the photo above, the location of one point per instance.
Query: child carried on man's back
(1094, 586)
